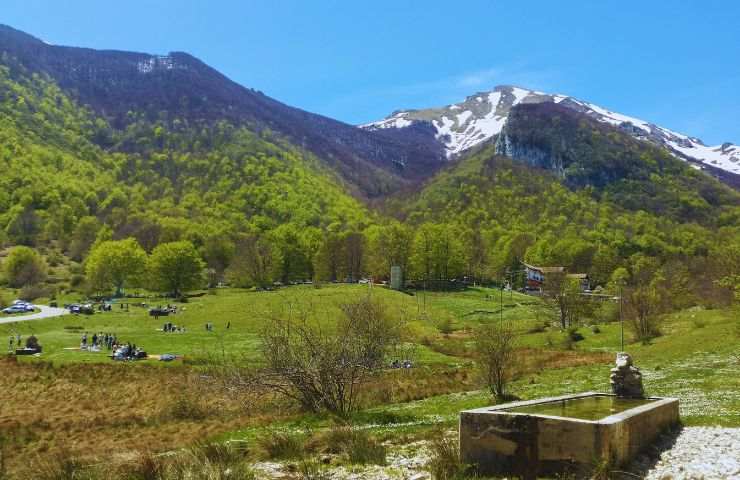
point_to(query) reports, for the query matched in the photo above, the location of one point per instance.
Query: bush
(494, 346)
(595, 329)
(285, 445)
(444, 463)
(445, 327)
(359, 447)
(185, 408)
(312, 470)
(323, 368)
(30, 293)
(61, 466)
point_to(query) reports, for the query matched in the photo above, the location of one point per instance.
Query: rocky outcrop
(534, 156)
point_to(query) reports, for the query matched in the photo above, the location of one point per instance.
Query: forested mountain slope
(521, 212)
(58, 184)
(178, 91)
(637, 175)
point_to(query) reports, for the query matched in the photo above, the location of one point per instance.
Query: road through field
(45, 312)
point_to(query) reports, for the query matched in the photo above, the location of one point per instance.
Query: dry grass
(94, 410)
(91, 412)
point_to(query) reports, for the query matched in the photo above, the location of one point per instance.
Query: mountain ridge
(481, 116)
(178, 85)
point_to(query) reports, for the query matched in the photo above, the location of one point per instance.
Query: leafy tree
(218, 251)
(24, 266)
(388, 245)
(438, 252)
(564, 293)
(115, 264)
(643, 297)
(83, 237)
(256, 262)
(175, 267)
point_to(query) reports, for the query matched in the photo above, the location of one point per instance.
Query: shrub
(323, 368)
(444, 462)
(61, 466)
(312, 470)
(494, 346)
(185, 408)
(207, 461)
(445, 327)
(357, 445)
(146, 467)
(285, 445)
(32, 292)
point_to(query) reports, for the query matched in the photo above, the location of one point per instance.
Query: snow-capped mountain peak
(480, 117)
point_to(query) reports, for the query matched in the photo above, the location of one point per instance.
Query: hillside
(522, 212)
(59, 185)
(586, 153)
(177, 90)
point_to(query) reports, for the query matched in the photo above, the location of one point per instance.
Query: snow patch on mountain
(482, 116)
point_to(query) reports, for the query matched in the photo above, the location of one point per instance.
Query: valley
(284, 295)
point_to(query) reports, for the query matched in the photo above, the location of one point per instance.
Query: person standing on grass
(10, 344)
(18, 340)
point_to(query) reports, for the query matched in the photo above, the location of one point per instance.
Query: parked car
(14, 309)
(29, 307)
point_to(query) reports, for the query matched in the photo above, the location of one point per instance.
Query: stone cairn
(626, 379)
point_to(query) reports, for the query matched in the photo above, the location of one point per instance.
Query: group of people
(170, 328)
(401, 364)
(97, 341)
(128, 351)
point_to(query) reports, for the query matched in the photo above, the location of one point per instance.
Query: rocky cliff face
(532, 155)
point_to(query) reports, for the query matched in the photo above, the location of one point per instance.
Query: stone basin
(571, 433)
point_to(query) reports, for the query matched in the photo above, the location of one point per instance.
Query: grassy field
(246, 312)
(91, 406)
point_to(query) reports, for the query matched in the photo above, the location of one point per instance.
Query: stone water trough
(572, 433)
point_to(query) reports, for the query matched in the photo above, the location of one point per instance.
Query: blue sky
(675, 63)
